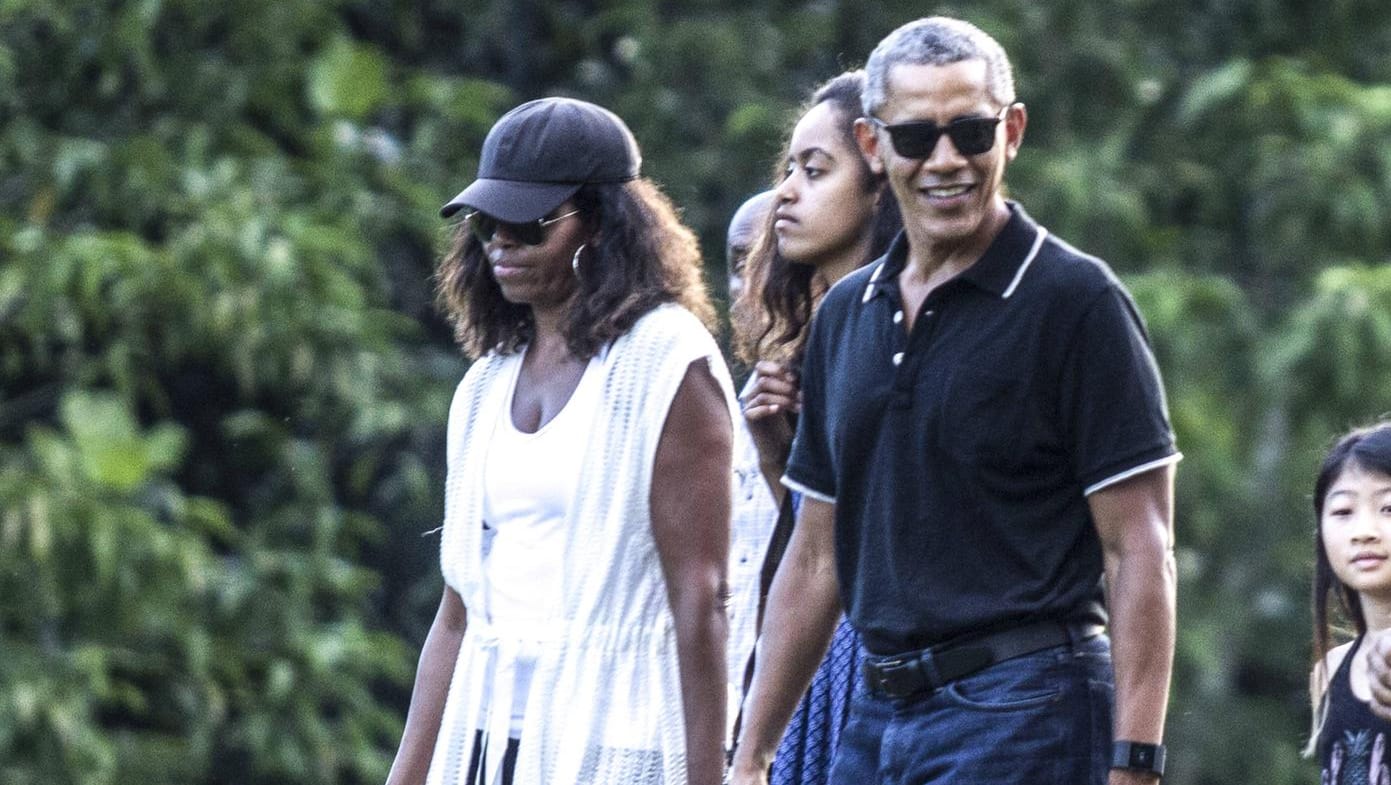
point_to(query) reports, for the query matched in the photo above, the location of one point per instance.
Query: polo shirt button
(928, 313)
(898, 316)
(898, 358)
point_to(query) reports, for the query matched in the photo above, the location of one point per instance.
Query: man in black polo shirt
(983, 436)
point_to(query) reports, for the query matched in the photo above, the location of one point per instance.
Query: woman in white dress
(581, 634)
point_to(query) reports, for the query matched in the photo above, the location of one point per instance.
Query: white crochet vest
(605, 701)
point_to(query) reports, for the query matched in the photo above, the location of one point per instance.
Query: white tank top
(529, 483)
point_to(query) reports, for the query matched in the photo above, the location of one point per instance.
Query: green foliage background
(223, 385)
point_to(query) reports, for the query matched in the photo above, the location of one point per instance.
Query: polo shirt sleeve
(1115, 416)
(810, 466)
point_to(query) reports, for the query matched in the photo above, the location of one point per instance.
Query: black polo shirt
(960, 457)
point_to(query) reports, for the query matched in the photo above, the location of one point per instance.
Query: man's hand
(803, 608)
(1134, 519)
(748, 775)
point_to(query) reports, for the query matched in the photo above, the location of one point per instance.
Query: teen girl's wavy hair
(773, 314)
(641, 256)
(1369, 449)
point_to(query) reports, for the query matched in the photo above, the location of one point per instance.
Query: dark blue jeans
(1040, 719)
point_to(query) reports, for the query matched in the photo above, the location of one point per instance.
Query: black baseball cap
(540, 153)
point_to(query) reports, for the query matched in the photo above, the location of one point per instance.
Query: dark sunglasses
(970, 135)
(484, 226)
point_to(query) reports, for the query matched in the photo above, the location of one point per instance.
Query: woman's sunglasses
(484, 226)
(970, 135)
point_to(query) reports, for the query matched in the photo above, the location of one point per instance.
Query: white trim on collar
(873, 281)
(1028, 260)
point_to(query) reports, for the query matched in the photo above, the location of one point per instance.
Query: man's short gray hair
(937, 40)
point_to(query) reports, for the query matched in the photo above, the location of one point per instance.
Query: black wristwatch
(1138, 756)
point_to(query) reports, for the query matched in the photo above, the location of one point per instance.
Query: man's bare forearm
(803, 608)
(1134, 520)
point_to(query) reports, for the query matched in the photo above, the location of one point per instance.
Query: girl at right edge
(1352, 501)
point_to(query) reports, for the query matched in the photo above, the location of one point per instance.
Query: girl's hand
(773, 394)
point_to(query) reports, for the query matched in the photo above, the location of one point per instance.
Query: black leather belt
(906, 675)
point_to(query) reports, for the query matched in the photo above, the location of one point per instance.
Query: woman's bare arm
(690, 522)
(436, 668)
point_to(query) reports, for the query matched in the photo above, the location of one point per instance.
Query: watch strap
(1138, 756)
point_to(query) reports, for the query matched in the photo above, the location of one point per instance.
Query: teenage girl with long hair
(831, 214)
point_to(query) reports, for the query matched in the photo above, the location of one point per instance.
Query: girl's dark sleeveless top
(1353, 742)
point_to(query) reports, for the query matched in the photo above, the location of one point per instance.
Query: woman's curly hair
(773, 314)
(642, 256)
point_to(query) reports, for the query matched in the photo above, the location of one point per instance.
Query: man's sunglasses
(484, 226)
(970, 135)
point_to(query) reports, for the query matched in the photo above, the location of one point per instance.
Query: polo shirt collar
(883, 281)
(998, 271)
